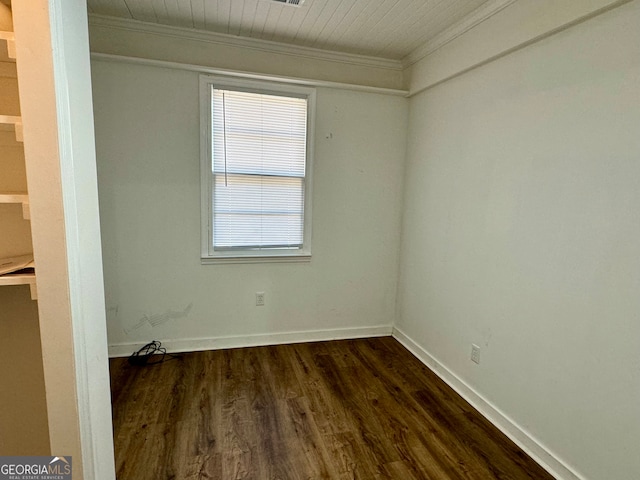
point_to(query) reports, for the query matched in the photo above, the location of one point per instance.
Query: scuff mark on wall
(487, 334)
(158, 319)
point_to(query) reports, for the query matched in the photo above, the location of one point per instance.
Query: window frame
(208, 255)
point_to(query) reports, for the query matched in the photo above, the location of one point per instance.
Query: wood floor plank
(240, 439)
(447, 459)
(308, 442)
(347, 386)
(344, 410)
(330, 415)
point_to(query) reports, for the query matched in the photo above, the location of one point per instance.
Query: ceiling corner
(479, 15)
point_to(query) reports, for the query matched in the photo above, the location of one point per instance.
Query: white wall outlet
(475, 353)
(259, 299)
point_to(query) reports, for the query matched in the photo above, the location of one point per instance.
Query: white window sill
(296, 258)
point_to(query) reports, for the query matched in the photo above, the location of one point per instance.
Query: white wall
(148, 168)
(521, 234)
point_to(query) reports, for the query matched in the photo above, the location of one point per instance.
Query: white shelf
(11, 42)
(9, 122)
(21, 198)
(21, 279)
(16, 122)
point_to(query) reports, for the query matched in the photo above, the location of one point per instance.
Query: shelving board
(21, 279)
(22, 198)
(16, 122)
(11, 42)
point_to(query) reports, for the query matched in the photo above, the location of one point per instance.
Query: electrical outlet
(475, 353)
(259, 299)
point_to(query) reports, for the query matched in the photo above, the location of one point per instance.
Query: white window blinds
(258, 146)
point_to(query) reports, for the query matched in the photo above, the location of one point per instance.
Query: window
(256, 169)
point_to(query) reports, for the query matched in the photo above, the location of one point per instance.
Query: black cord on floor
(144, 356)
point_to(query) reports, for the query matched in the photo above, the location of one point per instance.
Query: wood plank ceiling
(380, 28)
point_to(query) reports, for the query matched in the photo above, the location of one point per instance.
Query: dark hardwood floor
(355, 409)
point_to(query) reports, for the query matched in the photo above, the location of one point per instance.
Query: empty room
(305, 239)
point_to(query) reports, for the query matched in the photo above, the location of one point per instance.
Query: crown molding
(242, 42)
(479, 15)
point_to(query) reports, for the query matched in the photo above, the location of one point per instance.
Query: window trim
(207, 253)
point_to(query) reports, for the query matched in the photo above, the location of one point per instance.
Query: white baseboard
(529, 444)
(219, 343)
